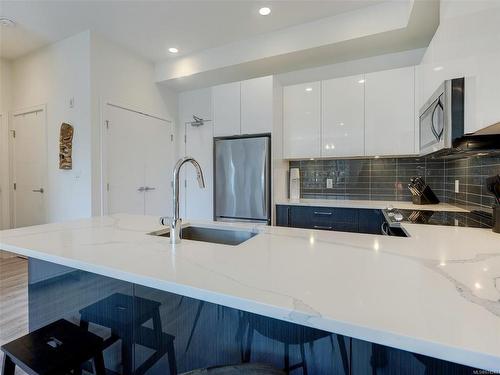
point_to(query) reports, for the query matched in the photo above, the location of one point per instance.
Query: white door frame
(104, 146)
(19, 112)
(4, 171)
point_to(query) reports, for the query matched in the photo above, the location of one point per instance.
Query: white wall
(52, 76)
(5, 105)
(120, 77)
(353, 67)
(466, 43)
(196, 203)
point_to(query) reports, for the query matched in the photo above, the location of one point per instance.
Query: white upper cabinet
(257, 105)
(302, 120)
(226, 109)
(390, 112)
(343, 117)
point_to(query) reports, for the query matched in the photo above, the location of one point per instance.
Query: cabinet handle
(322, 227)
(38, 191)
(323, 213)
(148, 188)
(141, 189)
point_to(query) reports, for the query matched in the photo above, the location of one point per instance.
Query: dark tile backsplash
(387, 179)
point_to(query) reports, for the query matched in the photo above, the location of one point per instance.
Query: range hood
(470, 145)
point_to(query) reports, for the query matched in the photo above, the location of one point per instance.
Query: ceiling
(149, 28)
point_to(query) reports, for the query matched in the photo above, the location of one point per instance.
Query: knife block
(496, 219)
(426, 197)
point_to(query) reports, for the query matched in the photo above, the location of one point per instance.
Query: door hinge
(107, 124)
(171, 137)
(13, 133)
(15, 186)
(107, 186)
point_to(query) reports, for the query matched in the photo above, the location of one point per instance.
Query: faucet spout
(176, 223)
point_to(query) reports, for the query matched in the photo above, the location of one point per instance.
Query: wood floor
(13, 298)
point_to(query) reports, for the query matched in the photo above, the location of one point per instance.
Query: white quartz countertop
(348, 203)
(435, 293)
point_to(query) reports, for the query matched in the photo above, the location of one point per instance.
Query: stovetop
(473, 219)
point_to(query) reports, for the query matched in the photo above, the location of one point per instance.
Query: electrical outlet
(457, 186)
(329, 183)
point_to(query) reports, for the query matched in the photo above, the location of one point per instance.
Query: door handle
(141, 189)
(322, 227)
(147, 188)
(38, 191)
(323, 213)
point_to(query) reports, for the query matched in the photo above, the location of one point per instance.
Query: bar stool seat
(241, 369)
(126, 317)
(57, 348)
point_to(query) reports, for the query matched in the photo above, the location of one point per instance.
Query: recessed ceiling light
(361, 81)
(173, 50)
(265, 11)
(6, 22)
(309, 89)
(438, 68)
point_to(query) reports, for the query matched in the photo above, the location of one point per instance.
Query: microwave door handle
(433, 126)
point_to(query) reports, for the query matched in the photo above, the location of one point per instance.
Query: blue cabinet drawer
(322, 217)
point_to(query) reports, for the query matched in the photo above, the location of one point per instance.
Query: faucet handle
(166, 220)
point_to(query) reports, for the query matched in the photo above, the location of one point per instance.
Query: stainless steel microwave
(442, 117)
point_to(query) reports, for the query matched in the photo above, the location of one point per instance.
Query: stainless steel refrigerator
(242, 181)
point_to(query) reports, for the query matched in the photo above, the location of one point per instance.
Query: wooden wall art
(66, 146)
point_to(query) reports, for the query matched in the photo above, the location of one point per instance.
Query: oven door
(432, 126)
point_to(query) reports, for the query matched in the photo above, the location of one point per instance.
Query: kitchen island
(389, 301)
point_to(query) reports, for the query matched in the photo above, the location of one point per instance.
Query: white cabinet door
(226, 109)
(257, 105)
(343, 124)
(301, 120)
(390, 112)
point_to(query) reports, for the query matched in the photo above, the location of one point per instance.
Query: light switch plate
(457, 186)
(329, 183)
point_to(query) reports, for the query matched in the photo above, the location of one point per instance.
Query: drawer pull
(322, 227)
(323, 213)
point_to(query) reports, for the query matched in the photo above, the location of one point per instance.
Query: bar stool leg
(172, 362)
(99, 365)
(287, 358)
(8, 366)
(304, 360)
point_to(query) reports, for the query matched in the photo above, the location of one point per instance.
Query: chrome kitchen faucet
(176, 221)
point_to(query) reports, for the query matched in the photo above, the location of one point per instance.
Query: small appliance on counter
(493, 186)
(421, 192)
(294, 184)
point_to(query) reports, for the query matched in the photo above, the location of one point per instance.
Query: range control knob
(398, 216)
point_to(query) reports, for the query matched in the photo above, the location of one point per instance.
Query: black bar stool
(242, 369)
(126, 315)
(288, 334)
(58, 348)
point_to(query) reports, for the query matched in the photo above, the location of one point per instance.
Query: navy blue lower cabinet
(148, 331)
(330, 218)
(370, 221)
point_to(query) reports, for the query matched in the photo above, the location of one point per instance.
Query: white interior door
(3, 174)
(29, 155)
(158, 164)
(138, 153)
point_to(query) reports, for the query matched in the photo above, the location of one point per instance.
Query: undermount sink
(220, 236)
